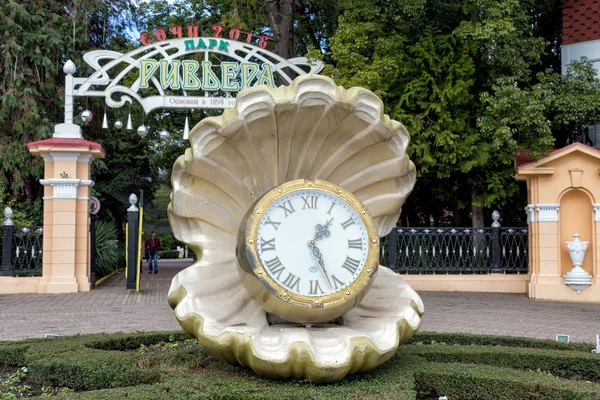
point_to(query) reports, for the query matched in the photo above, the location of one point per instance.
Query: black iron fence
(21, 250)
(27, 251)
(456, 250)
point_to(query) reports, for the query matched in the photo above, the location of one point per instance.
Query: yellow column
(596, 253)
(549, 276)
(66, 212)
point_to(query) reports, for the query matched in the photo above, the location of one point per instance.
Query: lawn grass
(170, 365)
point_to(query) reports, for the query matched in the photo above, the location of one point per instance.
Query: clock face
(312, 242)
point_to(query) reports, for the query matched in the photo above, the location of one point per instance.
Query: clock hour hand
(317, 254)
(322, 230)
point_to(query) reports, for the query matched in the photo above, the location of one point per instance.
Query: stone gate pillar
(67, 167)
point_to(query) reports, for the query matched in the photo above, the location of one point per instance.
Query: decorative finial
(8, 214)
(133, 200)
(69, 68)
(495, 217)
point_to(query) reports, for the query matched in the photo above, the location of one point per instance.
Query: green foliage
(467, 80)
(464, 339)
(461, 381)
(25, 213)
(12, 355)
(13, 385)
(69, 363)
(504, 35)
(108, 252)
(170, 364)
(560, 363)
(436, 104)
(36, 38)
(133, 342)
(169, 255)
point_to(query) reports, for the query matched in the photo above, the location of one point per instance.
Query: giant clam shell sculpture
(311, 129)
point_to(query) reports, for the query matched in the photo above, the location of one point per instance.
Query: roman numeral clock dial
(308, 251)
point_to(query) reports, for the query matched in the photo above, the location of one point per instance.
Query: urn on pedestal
(577, 278)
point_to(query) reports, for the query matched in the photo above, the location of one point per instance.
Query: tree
(450, 71)
(36, 39)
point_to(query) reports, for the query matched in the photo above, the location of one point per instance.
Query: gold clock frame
(288, 305)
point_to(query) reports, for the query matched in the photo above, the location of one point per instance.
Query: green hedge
(465, 382)
(222, 381)
(12, 354)
(68, 362)
(168, 254)
(133, 342)
(507, 341)
(109, 366)
(564, 364)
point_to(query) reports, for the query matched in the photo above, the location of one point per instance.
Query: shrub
(482, 382)
(158, 365)
(108, 252)
(168, 254)
(89, 373)
(565, 364)
(12, 355)
(507, 341)
(133, 342)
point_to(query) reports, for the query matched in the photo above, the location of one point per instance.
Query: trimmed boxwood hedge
(465, 382)
(564, 364)
(133, 342)
(506, 341)
(12, 355)
(109, 366)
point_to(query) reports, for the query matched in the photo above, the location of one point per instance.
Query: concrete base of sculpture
(238, 331)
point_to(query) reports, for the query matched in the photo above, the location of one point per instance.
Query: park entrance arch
(193, 73)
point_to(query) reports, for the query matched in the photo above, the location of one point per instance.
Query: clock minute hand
(317, 254)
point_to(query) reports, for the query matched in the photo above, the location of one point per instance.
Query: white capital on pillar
(530, 210)
(65, 188)
(547, 212)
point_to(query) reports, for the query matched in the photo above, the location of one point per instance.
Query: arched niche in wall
(576, 216)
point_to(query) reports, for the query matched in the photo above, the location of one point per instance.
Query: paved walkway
(112, 308)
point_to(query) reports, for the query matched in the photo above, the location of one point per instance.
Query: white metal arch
(116, 94)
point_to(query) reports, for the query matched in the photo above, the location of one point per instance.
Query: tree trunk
(280, 15)
(476, 211)
(457, 215)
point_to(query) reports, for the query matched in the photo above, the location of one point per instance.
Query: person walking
(152, 246)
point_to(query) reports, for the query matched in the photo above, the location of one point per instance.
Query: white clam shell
(311, 129)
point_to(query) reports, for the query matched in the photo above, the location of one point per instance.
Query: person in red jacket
(152, 249)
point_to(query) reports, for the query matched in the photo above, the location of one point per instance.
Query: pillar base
(558, 291)
(59, 285)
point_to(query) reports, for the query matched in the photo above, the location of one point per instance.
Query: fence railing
(21, 248)
(456, 250)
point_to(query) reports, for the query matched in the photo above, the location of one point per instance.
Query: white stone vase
(577, 279)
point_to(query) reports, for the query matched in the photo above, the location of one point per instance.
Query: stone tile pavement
(112, 308)
(108, 308)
